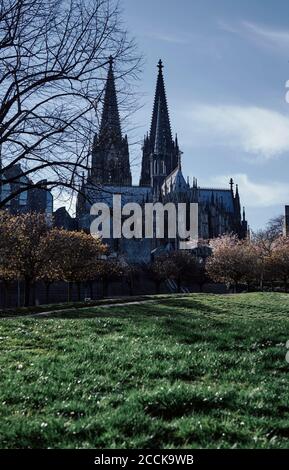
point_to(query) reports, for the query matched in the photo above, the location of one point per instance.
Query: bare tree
(272, 231)
(53, 57)
(275, 227)
(264, 242)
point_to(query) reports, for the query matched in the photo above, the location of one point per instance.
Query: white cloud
(255, 194)
(275, 37)
(179, 38)
(260, 132)
(228, 28)
(261, 34)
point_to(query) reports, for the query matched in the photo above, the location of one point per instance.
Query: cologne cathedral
(161, 178)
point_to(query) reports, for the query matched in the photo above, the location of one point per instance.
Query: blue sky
(226, 67)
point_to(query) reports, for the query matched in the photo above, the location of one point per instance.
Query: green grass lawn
(198, 371)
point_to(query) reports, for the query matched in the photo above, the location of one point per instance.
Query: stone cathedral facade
(161, 179)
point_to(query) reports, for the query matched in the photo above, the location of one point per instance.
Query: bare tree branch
(53, 61)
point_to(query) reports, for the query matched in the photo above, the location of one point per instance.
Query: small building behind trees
(36, 198)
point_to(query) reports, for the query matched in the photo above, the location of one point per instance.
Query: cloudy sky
(226, 68)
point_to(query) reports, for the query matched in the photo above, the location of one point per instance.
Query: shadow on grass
(173, 317)
(157, 308)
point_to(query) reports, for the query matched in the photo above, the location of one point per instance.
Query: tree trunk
(130, 287)
(6, 289)
(79, 291)
(69, 291)
(34, 296)
(272, 286)
(261, 284)
(104, 288)
(157, 285)
(18, 293)
(90, 285)
(47, 290)
(27, 285)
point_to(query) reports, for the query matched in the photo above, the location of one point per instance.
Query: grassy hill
(195, 371)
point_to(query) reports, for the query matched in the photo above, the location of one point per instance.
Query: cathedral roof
(175, 181)
(223, 196)
(138, 194)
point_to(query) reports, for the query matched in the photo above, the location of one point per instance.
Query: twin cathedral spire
(161, 176)
(110, 153)
(160, 152)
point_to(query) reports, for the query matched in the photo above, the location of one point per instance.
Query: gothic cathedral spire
(160, 110)
(160, 136)
(110, 122)
(110, 153)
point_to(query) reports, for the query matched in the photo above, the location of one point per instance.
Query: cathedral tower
(158, 158)
(159, 146)
(110, 153)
